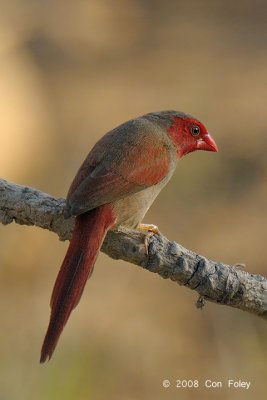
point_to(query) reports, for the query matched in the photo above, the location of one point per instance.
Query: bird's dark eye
(195, 130)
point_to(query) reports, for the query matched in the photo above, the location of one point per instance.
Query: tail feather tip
(45, 356)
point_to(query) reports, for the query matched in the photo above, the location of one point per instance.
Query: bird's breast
(131, 209)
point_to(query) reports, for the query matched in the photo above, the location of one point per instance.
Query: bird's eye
(195, 130)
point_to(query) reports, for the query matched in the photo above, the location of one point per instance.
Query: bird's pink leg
(151, 230)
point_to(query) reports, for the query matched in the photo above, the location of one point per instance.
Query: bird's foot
(151, 230)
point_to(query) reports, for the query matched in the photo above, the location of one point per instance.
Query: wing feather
(120, 164)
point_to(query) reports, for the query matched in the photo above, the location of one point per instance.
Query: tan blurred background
(70, 71)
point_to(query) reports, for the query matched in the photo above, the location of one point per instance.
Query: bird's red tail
(89, 232)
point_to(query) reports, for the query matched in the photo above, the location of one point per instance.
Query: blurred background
(69, 72)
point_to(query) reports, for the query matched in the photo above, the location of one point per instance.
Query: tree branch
(214, 281)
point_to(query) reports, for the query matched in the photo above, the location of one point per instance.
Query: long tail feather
(89, 232)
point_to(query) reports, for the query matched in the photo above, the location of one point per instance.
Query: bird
(115, 186)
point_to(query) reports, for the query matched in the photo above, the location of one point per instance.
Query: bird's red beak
(207, 143)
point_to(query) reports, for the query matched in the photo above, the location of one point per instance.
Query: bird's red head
(188, 134)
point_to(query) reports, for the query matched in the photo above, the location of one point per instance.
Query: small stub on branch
(200, 303)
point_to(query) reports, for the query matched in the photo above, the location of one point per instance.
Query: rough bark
(214, 281)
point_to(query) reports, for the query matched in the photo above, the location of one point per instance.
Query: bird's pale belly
(131, 210)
